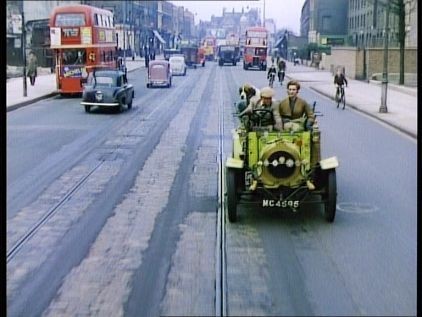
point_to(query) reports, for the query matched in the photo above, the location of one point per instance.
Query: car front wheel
(231, 189)
(331, 195)
(121, 108)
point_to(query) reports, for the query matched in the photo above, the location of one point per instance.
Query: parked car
(177, 65)
(159, 74)
(107, 88)
(281, 170)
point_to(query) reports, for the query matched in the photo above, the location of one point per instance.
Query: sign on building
(17, 23)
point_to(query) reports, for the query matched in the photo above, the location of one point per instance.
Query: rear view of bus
(83, 38)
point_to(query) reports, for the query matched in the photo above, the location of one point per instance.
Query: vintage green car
(279, 169)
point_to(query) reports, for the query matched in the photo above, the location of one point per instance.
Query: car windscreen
(103, 81)
(177, 61)
(226, 48)
(261, 51)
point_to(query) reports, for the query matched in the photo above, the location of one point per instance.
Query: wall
(341, 57)
(376, 59)
(353, 61)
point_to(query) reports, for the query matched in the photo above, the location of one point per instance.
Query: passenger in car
(293, 107)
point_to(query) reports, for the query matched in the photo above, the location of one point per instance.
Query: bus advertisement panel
(82, 38)
(255, 49)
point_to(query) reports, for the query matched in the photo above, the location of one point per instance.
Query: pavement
(45, 86)
(360, 95)
(364, 96)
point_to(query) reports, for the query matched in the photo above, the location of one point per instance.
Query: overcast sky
(286, 13)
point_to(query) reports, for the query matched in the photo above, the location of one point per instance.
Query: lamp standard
(264, 13)
(384, 83)
(363, 47)
(25, 87)
(124, 33)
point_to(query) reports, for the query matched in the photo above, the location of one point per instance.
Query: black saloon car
(107, 88)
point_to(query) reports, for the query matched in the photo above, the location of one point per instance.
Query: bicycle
(340, 96)
(281, 74)
(271, 79)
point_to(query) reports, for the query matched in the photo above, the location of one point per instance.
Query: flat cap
(267, 92)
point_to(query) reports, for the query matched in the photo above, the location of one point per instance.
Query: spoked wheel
(271, 82)
(337, 98)
(343, 99)
(331, 195)
(231, 194)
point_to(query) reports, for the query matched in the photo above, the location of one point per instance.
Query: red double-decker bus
(255, 49)
(83, 38)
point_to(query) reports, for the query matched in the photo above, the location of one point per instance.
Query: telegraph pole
(23, 44)
(264, 13)
(124, 33)
(384, 83)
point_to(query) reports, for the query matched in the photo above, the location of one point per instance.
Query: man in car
(264, 102)
(293, 107)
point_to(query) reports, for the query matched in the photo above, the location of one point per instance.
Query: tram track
(221, 269)
(106, 153)
(220, 304)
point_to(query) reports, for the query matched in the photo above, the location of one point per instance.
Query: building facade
(325, 21)
(139, 24)
(367, 21)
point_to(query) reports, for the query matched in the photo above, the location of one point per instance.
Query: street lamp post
(124, 34)
(23, 44)
(384, 83)
(363, 47)
(264, 13)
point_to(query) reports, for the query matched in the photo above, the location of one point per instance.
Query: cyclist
(339, 81)
(271, 74)
(281, 70)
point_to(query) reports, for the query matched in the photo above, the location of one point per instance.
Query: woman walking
(32, 67)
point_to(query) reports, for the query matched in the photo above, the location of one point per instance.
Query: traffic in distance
(204, 178)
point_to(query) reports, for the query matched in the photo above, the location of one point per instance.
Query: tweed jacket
(256, 103)
(301, 107)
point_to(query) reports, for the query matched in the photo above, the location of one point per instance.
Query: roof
(158, 61)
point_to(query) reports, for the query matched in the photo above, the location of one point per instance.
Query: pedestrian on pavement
(146, 54)
(281, 70)
(265, 101)
(32, 67)
(291, 108)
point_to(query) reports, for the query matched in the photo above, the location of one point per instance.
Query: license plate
(280, 203)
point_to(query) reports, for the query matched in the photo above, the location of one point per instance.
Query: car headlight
(290, 163)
